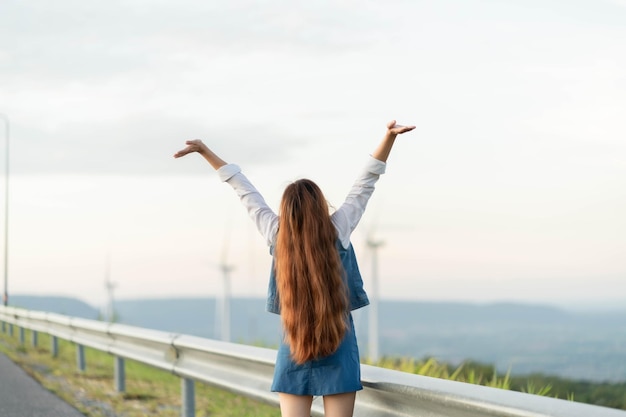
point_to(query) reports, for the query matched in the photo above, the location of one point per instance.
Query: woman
(314, 281)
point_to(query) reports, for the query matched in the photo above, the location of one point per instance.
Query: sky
(511, 188)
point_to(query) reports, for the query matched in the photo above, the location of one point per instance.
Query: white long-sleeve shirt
(345, 218)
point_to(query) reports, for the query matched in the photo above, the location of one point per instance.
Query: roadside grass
(604, 394)
(149, 391)
(468, 372)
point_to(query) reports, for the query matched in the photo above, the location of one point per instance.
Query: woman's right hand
(384, 148)
(395, 129)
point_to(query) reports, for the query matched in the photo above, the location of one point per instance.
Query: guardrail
(248, 371)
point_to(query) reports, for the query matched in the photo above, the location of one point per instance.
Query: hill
(61, 305)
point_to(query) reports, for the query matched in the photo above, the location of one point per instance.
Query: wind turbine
(109, 286)
(222, 306)
(372, 338)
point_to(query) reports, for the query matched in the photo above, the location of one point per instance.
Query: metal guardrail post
(22, 336)
(11, 330)
(54, 346)
(34, 338)
(188, 398)
(80, 358)
(4, 327)
(120, 375)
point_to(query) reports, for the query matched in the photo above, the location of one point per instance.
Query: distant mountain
(60, 305)
(197, 316)
(522, 337)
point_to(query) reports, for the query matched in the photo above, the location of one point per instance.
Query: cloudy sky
(512, 187)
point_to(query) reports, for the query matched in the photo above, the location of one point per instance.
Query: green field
(611, 395)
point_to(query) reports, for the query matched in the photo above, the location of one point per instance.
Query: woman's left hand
(195, 145)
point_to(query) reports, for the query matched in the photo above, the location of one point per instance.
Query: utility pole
(5, 295)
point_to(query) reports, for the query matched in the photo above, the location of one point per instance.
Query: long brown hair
(313, 298)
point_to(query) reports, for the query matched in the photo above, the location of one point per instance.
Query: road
(22, 396)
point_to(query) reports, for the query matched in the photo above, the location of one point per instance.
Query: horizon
(606, 306)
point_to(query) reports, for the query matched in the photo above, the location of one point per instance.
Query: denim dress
(337, 373)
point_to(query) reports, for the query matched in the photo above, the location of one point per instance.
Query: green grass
(468, 372)
(605, 394)
(149, 391)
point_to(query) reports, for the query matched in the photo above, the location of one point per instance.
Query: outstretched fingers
(182, 152)
(192, 146)
(403, 129)
(398, 129)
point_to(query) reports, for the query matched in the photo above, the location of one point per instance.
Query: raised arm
(349, 213)
(261, 214)
(198, 146)
(384, 148)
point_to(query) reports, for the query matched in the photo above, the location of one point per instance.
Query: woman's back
(313, 297)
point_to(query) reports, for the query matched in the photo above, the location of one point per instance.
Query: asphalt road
(22, 396)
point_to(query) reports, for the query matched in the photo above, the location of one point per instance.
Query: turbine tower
(109, 287)
(222, 306)
(372, 338)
